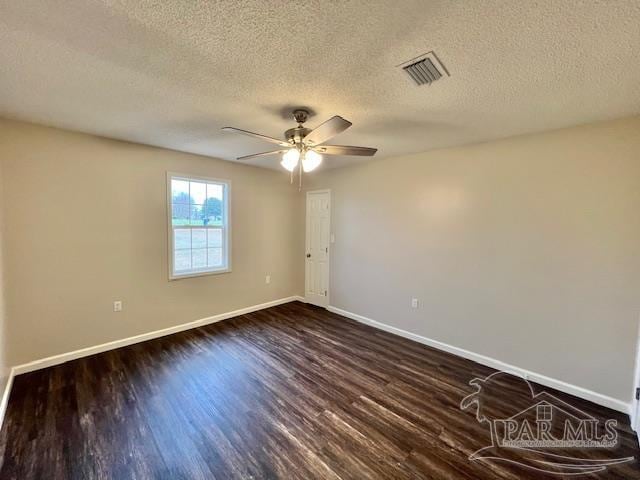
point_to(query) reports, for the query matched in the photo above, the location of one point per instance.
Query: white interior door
(317, 247)
(635, 404)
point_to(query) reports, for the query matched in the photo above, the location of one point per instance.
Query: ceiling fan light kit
(303, 147)
(310, 160)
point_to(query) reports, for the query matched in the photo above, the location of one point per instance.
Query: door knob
(308, 255)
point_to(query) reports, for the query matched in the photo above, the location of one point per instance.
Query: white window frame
(226, 228)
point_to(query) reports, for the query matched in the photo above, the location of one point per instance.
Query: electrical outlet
(267, 279)
(414, 303)
(117, 306)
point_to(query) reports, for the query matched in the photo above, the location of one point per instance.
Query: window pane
(198, 192)
(199, 238)
(212, 211)
(181, 238)
(196, 215)
(182, 260)
(214, 190)
(180, 214)
(180, 191)
(199, 257)
(214, 257)
(214, 237)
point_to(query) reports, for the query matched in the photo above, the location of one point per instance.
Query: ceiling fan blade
(282, 143)
(345, 150)
(263, 154)
(327, 130)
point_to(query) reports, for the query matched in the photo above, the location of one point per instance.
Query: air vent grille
(425, 70)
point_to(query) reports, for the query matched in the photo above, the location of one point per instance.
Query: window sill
(199, 274)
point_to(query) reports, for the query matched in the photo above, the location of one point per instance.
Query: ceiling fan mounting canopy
(301, 115)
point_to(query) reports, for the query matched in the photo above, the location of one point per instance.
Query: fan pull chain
(300, 177)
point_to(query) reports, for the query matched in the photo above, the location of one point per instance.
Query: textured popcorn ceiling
(172, 73)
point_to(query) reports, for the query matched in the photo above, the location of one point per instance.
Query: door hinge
(326, 249)
(637, 393)
(325, 294)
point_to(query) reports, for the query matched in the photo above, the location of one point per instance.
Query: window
(544, 413)
(198, 226)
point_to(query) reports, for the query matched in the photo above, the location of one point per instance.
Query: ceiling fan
(303, 147)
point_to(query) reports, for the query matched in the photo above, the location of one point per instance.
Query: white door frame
(306, 247)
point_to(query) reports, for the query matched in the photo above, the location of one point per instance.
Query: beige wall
(526, 250)
(4, 362)
(85, 224)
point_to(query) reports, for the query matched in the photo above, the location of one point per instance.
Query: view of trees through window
(196, 203)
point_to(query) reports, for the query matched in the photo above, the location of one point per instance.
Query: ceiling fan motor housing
(295, 135)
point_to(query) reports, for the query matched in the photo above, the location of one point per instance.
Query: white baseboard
(84, 352)
(565, 387)
(4, 401)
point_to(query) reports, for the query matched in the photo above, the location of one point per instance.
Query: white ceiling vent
(425, 69)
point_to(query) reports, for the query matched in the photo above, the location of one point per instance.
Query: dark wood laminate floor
(290, 392)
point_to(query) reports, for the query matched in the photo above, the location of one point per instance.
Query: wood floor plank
(290, 392)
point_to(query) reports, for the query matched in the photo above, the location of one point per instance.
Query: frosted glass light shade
(311, 160)
(290, 159)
